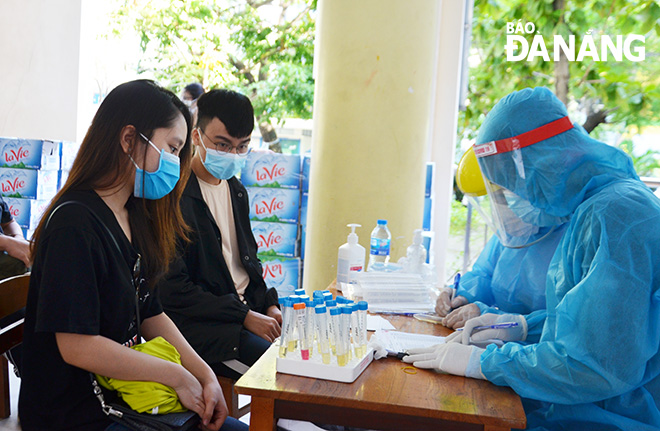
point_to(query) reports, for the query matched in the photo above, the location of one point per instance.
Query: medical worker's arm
(605, 290)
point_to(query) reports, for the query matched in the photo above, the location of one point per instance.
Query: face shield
(516, 221)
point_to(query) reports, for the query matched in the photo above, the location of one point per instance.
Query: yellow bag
(148, 397)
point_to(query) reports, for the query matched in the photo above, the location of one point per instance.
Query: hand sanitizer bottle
(349, 263)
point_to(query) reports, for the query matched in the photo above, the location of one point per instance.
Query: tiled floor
(11, 423)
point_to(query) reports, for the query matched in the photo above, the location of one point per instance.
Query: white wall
(39, 61)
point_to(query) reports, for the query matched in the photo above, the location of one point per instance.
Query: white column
(444, 124)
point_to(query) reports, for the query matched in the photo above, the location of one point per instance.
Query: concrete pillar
(39, 61)
(375, 64)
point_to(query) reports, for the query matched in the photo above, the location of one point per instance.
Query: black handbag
(111, 404)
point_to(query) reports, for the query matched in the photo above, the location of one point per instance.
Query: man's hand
(275, 313)
(264, 326)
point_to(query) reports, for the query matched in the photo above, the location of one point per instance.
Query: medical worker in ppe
(597, 363)
(503, 279)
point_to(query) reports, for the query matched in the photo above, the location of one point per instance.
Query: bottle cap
(317, 294)
(299, 306)
(382, 221)
(304, 298)
(320, 309)
(295, 298)
(353, 307)
(334, 311)
(346, 309)
(318, 301)
(299, 292)
(362, 305)
(331, 303)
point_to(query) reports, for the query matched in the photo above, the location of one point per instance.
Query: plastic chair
(13, 297)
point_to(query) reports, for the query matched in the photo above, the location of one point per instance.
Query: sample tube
(293, 329)
(327, 296)
(300, 324)
(287, 313)
(309, 325)
(362, 326)
(323, 333)
(331, 326)
(354, 329)
(335, 317)
(346, 330)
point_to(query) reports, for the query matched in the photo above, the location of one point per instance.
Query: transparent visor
(515, 220)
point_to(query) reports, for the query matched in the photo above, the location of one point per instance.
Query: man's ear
(127, 138)
(195, 136)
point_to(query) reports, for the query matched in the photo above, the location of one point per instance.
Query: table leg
(262, 414)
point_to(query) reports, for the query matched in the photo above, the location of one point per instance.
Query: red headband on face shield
(525, 139)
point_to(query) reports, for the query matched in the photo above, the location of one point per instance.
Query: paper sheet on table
(396, 341)
(374, 323)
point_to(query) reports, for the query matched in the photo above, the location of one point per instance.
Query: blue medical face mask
(223, 165)
(159, 183)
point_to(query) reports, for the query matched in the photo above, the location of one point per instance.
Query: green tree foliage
(624, 93)
(262, 48)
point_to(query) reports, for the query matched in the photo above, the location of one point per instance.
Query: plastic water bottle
(379, 251)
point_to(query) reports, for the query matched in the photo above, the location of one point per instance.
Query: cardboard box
(274, 204)
(28, 183)
(268, 169)
(29, 153)
(306, 162)
(276, 239)
(304, 200)
(69, 151)
(27, 212)
(281, 273)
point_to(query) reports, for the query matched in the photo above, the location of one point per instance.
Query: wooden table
(383, 397)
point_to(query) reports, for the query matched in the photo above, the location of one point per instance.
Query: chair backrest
(13, 297)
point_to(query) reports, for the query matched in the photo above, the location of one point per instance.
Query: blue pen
(496, 326)
(457, 279)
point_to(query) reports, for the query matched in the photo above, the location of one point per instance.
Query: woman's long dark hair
(101, 163)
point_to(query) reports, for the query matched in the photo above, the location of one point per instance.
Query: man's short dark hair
(232, 108)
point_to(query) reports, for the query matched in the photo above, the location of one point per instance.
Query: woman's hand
(190, 392)
(215, 407)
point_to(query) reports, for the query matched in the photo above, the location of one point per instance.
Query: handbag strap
(136, 266)
(107, 409)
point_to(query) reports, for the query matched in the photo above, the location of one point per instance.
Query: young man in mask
(214, 291)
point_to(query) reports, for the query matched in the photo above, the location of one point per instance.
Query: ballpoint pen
(457, 278)
(495, 326)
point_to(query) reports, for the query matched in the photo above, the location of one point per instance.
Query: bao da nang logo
(600, 48)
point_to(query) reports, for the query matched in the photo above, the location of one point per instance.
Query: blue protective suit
(597, 363)
(510, 280)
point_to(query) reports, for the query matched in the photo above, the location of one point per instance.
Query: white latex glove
(471, 336)
(444, 304)
(454, 358)
(460, 315)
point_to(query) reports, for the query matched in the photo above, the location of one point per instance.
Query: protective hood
(560, 172)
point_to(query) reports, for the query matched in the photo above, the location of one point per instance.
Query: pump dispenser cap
(352, 237)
